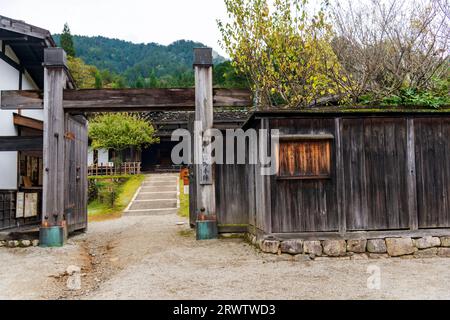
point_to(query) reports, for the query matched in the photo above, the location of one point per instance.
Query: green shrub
(108, 194)
(92, 190)
(105, 189)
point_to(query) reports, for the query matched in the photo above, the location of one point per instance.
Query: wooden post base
(207, 230)
(51, 237)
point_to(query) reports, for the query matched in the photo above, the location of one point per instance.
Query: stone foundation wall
(426, 247)
(19, 243)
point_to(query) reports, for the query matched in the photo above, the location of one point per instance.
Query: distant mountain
(138, 61)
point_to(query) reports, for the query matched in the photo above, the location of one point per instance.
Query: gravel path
(165, 262)
(154, 257)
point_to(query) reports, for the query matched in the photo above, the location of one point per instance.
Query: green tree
(98, 80)
(225, 75)
(139, 83)
(119, 131)
(86, 76)
(67, 41)
(284, 48)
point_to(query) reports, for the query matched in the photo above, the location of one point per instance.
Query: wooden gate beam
(117, 100)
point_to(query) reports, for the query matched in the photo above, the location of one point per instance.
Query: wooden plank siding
(75, 197)
(375, 180)
(433, 171)
(305, 205)
(235, 199)
(232, 202)
(387, 175)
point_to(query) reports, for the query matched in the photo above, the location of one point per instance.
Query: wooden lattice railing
(106, 169)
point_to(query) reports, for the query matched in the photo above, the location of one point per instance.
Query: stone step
(159, 189)
(157, 196)
(162, 176)
(157, 204)
(155, 212)
(159, 184)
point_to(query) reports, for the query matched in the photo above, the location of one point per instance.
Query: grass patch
(184, 202)
(99, 211)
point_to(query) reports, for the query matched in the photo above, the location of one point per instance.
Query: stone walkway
(158, 195)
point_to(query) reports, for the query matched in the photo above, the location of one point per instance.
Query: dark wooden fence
(387, 173)
(75, 168)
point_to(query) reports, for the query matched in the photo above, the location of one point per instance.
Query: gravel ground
(154, 258)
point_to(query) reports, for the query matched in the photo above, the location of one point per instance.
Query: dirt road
(154, 258)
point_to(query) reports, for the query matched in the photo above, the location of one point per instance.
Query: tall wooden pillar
(203, 65)
(55, 65)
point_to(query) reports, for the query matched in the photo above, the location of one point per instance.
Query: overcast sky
(160, 21)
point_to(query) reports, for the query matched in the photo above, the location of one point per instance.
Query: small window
(305, 157)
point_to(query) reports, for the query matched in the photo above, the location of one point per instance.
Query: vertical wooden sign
(205, 195)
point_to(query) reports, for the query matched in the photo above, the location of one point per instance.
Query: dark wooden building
(28, 58)
(343, 174)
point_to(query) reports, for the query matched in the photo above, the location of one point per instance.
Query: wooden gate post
(204, 117)
(55, 65)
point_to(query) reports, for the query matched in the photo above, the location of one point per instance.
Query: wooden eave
(27, 122)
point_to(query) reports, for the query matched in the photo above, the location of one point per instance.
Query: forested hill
(170, 64)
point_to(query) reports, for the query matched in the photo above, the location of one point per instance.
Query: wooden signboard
(30, 205)
(20, 204)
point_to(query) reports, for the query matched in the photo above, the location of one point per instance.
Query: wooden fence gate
(75, 171)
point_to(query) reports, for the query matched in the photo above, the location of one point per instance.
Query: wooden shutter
(305, 157)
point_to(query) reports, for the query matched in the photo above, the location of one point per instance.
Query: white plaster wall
(9, 80)
(90, 160)
(103, 156)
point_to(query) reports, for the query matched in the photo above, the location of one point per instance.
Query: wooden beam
(110, 100)
(24, 99)
(339, 172)
(22, 28)
(411, 176)
(18, 143)
(10, 61)
(13, 37)
(31, 123)
(53, 152)
(25, 43)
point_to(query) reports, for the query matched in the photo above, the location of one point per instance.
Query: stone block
(426, 253)
(397, 247)
(25, 243)
(427, 242)
(292, 246)
(13, 244)
(313, 248)
(335, 248)
(357, 246)
(270, 246)
(376, 246)
(445, 241)
(444, 252)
